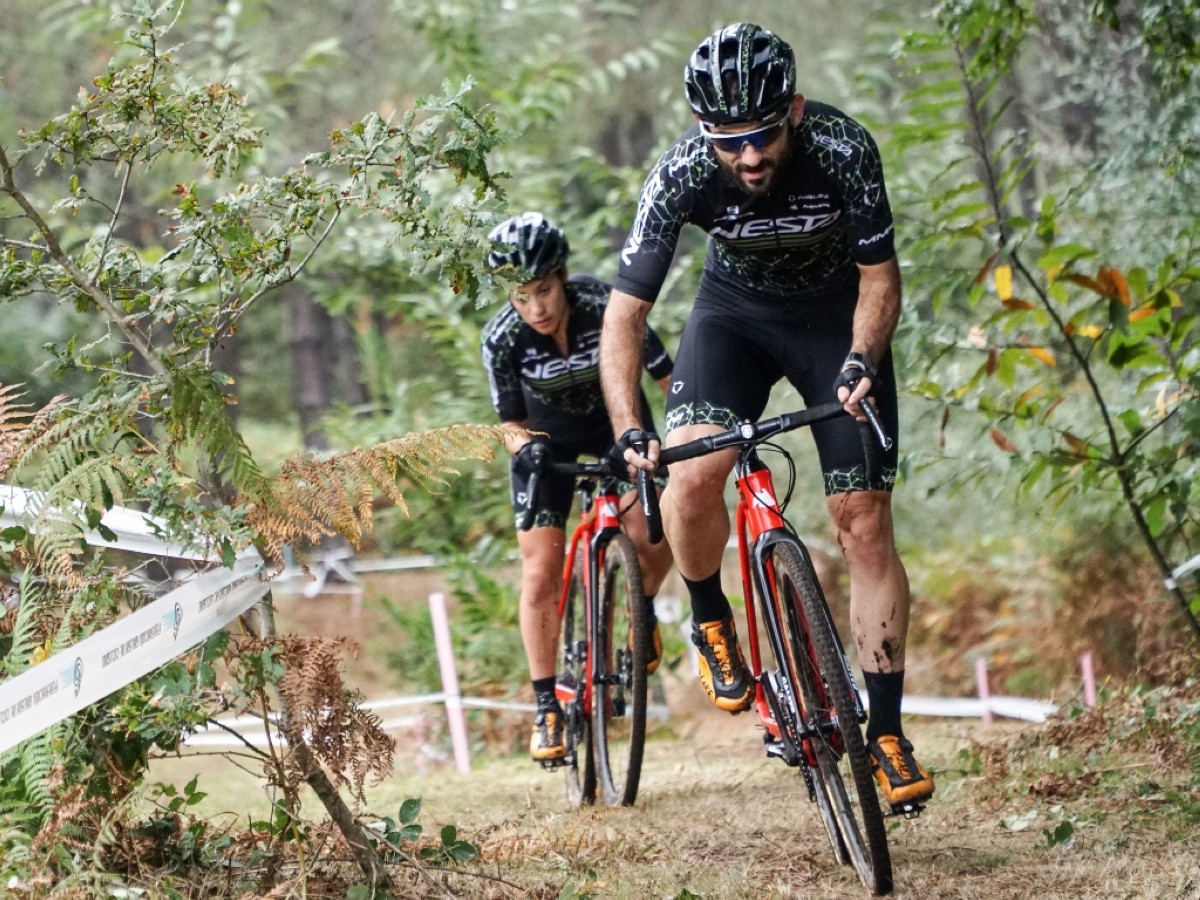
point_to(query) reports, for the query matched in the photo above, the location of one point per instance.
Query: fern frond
(198, 413)
(347, 739)
(37, 760)
(28, 633)
(315, 497)
(18, 432)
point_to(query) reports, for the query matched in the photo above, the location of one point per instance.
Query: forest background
(244, 236)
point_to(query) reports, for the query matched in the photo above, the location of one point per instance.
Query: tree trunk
(346, 362)
(309, 329)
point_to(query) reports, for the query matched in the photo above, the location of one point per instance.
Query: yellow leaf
(1028, 395)
(1043, 355)
(1004, 282)
(1142, 312)
(1089, 331)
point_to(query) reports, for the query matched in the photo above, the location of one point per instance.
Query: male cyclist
(541, 353)
(800, 282)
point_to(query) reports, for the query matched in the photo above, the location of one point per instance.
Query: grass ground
(1092, 807)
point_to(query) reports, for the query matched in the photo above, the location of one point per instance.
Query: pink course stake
(453, 701)
(1089, 680)
(981, 679)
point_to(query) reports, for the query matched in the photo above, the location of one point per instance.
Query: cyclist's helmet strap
(529, 243)
(740, 74)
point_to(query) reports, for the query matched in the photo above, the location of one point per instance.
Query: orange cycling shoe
(901, 778)
(546, 742)
(723, 672)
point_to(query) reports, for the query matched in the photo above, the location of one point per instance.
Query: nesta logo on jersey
(752, 228)
(549, 369)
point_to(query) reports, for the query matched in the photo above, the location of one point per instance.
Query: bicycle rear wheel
(619, 694)
(572, 682)
(816, 665)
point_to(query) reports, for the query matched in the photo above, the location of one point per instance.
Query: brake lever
(538, 456)
(648, 498)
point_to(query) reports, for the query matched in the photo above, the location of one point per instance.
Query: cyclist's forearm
(878, 309)
(621, 358)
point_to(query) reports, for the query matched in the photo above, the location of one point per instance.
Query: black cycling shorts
(730, 358)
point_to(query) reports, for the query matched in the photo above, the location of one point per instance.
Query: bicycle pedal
(550, 765)
(774, 747)
(907, 810)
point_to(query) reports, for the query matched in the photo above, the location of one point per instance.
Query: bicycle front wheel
(619, 693)
(571, 691)
(831, 735)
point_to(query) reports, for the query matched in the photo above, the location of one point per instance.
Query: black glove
(616, 455)
(853, 369)
(531, 457)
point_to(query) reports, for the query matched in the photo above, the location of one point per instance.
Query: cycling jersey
(826, 211)
(780, 282)
(532, 381)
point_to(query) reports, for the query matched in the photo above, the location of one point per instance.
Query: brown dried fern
(345, 739)
(313, 498)
(18, 432)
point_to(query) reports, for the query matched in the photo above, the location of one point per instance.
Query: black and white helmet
(529, 243)
(740, 74)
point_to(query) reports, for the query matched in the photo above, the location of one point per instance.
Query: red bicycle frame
(599, 518)
(758, 514)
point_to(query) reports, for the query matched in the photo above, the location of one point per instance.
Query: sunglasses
(759, 138)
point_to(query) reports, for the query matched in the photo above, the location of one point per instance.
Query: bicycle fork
(760, 526)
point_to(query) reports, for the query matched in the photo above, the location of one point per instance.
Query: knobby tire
(577, 726)
(818, 667)
(619, 701)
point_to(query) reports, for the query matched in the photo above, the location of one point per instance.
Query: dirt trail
(716, 818)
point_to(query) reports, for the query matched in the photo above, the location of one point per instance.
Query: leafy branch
(1116, 332)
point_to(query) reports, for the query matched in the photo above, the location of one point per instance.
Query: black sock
(651, 615)
(884, 691)
(543, 690)
(709, 602)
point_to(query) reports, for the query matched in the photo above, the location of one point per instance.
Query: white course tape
(973, 708)
(135, 531)
(126, 650)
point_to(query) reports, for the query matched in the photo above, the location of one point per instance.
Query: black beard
(730, 178)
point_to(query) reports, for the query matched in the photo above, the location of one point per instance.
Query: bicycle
(805, 696)
(604, 640)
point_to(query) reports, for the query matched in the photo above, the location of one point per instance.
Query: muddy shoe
(654, 651)
(901, 778)
(546, 742)
(723, 672)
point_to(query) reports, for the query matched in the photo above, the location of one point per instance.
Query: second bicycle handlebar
(873, 436)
